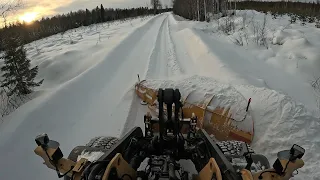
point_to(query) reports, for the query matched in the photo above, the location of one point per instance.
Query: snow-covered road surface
(89, 92)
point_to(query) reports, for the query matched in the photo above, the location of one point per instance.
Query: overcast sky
(81, 4)
(52, 7)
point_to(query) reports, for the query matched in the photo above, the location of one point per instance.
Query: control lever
(42, 140)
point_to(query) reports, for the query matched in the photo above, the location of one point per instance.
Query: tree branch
(8, 6)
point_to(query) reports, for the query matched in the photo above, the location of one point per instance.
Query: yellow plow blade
(224, 123)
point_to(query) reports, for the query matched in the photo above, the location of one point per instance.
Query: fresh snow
(89, 75)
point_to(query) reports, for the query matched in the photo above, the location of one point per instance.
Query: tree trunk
(205, 10)
(198, 5)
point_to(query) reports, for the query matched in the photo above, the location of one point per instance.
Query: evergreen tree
(88, 17)
(103, 19)
(94, 16)
(18, 77)
(98, 20)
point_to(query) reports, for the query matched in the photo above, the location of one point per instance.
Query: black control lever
(42, 140)
(168, 99)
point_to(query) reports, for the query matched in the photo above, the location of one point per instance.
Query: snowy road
(89, 92)
(163, 64)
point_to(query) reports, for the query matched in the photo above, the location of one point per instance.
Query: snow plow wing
(226, 117)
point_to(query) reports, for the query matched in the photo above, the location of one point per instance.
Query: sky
(40, 8)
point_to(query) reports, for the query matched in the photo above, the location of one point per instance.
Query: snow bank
(283, 104)
(298, 56)
(294, 63)
(292, 48)
(227, 63)
(281, 122)
(281, 36)
(298, 52)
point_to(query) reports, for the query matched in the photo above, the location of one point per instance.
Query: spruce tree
(103, 19)
(88, 18)
(94, 16)
(18, 77)
(98, 15)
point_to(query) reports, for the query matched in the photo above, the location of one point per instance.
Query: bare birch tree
(7, 7)
(156, 4)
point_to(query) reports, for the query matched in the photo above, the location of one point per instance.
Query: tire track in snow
(173, 64)
(163, 60)
(162, 64)
(155, 66)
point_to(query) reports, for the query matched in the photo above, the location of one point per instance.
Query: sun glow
(28, 17)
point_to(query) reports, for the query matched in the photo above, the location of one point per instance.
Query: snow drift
(283, 103)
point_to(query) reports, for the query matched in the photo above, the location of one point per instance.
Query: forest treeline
(200, 9)
(63, 22)
(196, 9)
(301, 10)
